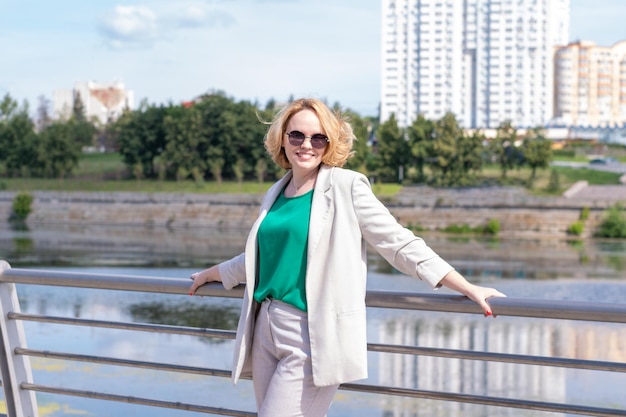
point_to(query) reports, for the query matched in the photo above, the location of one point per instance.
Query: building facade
(590, 85)
(486, 61)
(101, 101)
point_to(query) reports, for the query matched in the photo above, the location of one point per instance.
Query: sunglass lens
(319, 141)
(296, 135)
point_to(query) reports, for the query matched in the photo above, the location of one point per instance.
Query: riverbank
(426, 208)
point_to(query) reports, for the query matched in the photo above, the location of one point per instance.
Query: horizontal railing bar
(160, 285)
(372, 389)
(486, 400)
(518, 307)
(410, 350)
(122, 362)
(136, 400)
(501, 306)
(500, 357)
(144, 327)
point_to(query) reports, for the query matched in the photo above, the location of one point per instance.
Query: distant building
(590, 85)
(102, 101)
(485, 61)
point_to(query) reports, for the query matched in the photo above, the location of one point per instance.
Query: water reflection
(203, 316)
(484, 258)
(511, 336)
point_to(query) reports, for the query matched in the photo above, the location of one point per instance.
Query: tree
(362, 129)
(78, 108)
(18, 140)
(185, 143)
(8, 107)
(239, 169)
(393, 151)
(504, 150)
(261, 169)
(537, 151)
(216, 165)
(420, 142)
(57, 153)
(446, 161)
(141, 137)
(470, 151)
(82, 131)
(234, 131)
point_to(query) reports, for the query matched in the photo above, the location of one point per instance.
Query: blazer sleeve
(233, 271)
(398, 245)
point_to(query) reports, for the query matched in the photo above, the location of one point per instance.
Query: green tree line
(48, 149)
(218, 138)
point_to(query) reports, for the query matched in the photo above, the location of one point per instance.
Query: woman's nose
(306, 143)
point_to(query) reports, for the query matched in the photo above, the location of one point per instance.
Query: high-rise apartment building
(590, 88)
(487, 61)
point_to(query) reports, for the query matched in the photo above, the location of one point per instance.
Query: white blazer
(345, 217)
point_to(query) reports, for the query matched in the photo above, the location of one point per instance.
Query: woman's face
(304, 157)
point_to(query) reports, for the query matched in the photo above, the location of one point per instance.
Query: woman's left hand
(457, 282)
(480, 295)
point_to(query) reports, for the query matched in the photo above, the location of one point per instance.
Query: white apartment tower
(486, 61)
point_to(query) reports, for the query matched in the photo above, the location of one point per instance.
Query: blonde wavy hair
(334, 125)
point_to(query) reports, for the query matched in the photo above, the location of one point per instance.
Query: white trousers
(281, 365)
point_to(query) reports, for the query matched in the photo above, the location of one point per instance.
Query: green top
(282, 243)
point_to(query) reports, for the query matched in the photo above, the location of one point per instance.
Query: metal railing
(20, 389)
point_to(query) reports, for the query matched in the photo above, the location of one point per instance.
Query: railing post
(15, 369)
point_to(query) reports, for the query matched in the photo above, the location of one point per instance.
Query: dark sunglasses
(296, 138)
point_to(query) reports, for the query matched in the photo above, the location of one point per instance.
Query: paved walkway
(601, 193)
(610, 193)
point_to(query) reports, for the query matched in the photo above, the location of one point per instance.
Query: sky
(169, 51)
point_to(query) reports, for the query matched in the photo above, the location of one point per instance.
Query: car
(603, 161)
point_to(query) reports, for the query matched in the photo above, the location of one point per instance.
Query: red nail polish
(487, 314)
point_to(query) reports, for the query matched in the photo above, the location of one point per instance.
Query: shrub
(492, 227)
(458, 228)
(21, 208)
(576, 228)
(614, 223)
(584, 213)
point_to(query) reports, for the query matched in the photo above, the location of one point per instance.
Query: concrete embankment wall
(518, 212)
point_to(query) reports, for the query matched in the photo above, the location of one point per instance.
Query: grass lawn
(567, 177)
(99, 164)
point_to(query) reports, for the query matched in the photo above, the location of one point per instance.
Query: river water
(590, 270)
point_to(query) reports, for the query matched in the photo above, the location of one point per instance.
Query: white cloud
(130, 26)
(140, 26)
(198, 15)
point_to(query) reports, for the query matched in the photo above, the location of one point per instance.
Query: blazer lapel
(320, 208)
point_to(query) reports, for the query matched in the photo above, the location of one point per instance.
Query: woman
(302, 329)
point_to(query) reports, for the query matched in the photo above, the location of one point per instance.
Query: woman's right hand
(211, 274)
